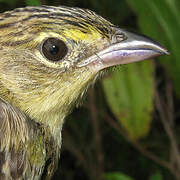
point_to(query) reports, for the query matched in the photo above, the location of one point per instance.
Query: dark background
(128, 126)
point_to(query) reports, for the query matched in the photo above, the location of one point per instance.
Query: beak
(131, 48)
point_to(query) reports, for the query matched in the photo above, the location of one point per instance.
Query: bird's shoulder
(27, 150)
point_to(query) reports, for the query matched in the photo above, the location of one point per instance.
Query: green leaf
(129, 92)
(160, 20)
(156, 176)
(33, 3)
(116, 176)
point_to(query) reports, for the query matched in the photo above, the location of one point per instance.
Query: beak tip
(165, 51)
(142, 41)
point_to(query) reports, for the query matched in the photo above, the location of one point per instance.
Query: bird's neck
(50, 103)
(54, 107)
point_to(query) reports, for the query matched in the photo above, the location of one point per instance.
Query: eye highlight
(54, 49)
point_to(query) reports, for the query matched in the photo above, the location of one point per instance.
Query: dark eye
(54, 49)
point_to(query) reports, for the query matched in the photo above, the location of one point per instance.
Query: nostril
(120, 37)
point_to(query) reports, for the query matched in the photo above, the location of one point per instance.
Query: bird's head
(50, 55)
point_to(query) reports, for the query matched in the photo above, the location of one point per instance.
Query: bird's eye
(54, 49)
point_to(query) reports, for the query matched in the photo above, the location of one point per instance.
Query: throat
(57, 104)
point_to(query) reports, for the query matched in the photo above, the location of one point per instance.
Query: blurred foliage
(117, 176)
(129, 123)
(10, 2)
(33, 2)
(131, 105)
(156, 176)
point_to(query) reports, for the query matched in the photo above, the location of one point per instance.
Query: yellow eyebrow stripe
(77, 35)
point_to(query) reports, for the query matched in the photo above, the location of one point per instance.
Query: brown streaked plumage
(39, 87)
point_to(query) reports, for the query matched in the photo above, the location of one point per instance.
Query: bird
(49, 56)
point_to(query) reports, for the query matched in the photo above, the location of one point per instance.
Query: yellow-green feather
(43, 92)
